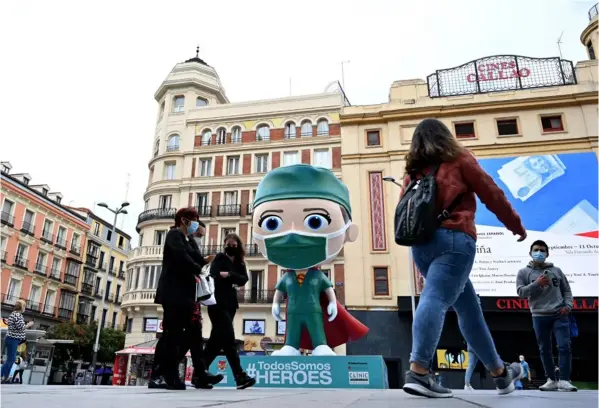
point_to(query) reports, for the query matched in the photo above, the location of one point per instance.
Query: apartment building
(211, 154)
(42, 248)
(103, 277)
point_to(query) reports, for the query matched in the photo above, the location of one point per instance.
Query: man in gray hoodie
(550, 301)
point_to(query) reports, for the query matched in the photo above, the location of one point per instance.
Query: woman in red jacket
(446, 261)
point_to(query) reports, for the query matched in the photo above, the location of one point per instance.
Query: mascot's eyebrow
(317, 209)
(274, 211)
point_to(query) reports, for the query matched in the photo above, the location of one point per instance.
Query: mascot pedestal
(301, 220)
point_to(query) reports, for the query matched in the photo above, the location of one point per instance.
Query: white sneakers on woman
(561, 385)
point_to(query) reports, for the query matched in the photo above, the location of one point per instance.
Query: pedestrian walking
(446, 260)
(14, 336)
(526, 374)
(19, 370)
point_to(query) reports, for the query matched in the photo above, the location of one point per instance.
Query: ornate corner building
(211, 154)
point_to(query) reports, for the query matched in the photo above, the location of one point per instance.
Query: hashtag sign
(251, 370)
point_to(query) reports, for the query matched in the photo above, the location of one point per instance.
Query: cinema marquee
(501, 73)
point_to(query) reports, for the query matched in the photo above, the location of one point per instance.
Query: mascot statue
(301, 220)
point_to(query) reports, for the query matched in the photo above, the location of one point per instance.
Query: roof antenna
(559, 43)
(198, 51)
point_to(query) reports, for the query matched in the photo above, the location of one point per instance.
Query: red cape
(343, 329)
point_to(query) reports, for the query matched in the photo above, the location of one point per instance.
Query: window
(129, 326)
(146, 204)
(552, 123)
(118, 290)
(206, 137)
(164, 201)
(322, 128)
(45, 191)
(49, 302)
(179, 105)
(327, 273)
(170, 170)
(230, 197)
(173, 143)
(227, 231)
(159, 237)
(263, 133)
(290, 158)
(591, 50)
(73, 269)
(75, 241)
(114, 318)
(61, 237)
(507, 127)
(26, 180)
(40, 263)
(111, 264)
(47, 230)
(306, 129)
(21, 255)
(67, 301)
(290, 130)
(141, 239)
(34, 295)
(98, 283)
(261, 163)
(236, 135)
(202, 203)
(156, 147)
(201, 102)
(92, 314)
(322, 158)
(14, 290)
(7, 209)
(121, 242)
(464, 130)
(109, 235)
(373, 138)
(221, 136)
(28, 221)
(97, 229)
(205, 167)
(56, 264)
(161, 110)
(381, 281)
(233, 165)
(5, 169)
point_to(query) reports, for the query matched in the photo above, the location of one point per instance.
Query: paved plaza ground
(140, 397)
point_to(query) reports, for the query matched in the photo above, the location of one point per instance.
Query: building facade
(211, 154)
(505, 109)
(103, 274)
(42, 248)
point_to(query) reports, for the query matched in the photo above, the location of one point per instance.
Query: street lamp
(412, 283)
(116, 212)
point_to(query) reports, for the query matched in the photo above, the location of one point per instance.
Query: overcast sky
(78, 80)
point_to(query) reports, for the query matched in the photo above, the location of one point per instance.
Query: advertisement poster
(556, 197)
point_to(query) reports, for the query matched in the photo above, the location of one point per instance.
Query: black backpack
(416, 218)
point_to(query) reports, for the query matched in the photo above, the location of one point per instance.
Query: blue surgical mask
(192, 227)
(538, 256)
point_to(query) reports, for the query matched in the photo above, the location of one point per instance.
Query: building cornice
(586, 33)
(193, 83)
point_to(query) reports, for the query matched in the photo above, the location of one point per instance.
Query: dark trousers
(174, 342)
(222, 338)
(559, 326)
(195, 343)
(20, 374)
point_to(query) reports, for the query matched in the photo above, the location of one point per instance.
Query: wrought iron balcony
(87, 288)
(7, 219)
(47, 237)
(156, 214)
(211, 249)
(75, 249)
(8, 299)
(172, 148)
(91, 260)
(65, 314)
(55, 274)
(27, 228)
(250, 209)
(71, 279)
(20, 261)
(49, 310)
(204, 211)
(229, 210)
(255, 296)
(82, 318)
(61, 242)
(32, 306)
(40, 269)
(252, 250)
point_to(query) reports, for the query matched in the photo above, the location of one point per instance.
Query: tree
(111, 341)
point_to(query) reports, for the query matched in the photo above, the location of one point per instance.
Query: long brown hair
(432, 144)
(241, 254)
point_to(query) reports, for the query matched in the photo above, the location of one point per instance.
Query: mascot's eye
(316, 222)
(270, 223)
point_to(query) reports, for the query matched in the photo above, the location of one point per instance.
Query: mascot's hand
(276, 312)
(332, 311)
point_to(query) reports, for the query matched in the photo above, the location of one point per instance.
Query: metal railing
(593, 12)
(82, 318)
(204, 210)
(8, 299)
(102, 266)
(40, 269)
(49, 310)
(156, 214)
(61, 243)
(121, 275)
(32, 306)
(75, 249)
(87, 288)
(91, 260)
(255, 296)
(20, 261)
(252, 250)
(65, 314)
(118, 299)
(7, 219)
(112, 270)
(55, 274)
(229, 210)
(27, 228)
(47, 237)
(172, 148)
(250, 209)
(71, 279)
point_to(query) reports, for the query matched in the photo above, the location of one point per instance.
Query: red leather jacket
(464, 175)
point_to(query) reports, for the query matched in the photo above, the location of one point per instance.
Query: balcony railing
(229, 210)
(8, 299)
(40, 269)
(211, 249)
(55, 274)
(61, 242)
(47, 237)
(156, 214)
(255, 296)
(204, 210)
(109, 297)
(71, 279)
(141, 296)
(593, 12)
(82, 318)
(75, 249)
(87, 288)
(27, 228)
(250, 209)
(32, 306)
(98, 294)
(251, 250)
(49, 310)
(91, 260)
(152, 250)
(20, 261)
(172, 148)
(65, 314)
(7, 219)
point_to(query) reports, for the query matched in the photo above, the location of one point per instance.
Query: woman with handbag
(14, 337)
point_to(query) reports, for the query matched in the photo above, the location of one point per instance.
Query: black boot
(205, 380)
(244, 381)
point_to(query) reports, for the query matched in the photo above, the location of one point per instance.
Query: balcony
(55, 274)
(211, 249)
(154, 251)
(9, 299)
(40, 269)
(156, 214)
(61, 242)
(65, 314)
(75, 249)
(172, 148)
(49, 310)
(204, 211)
(87, 288)
(249, 209)
(7, 219)
(255, 296)
(252, 250)
(109, 297)
(82, 318)
(229, 210)
(27, 228)
(34, 307)
(145, 296)
(47, 237)
(20, 262)
(91, 261)
(99, 294)
(71, 280)
(3, 256)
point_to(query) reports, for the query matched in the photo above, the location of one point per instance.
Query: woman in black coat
(229, 271)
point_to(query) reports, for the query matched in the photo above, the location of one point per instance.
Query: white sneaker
(323, 350)
(286, 351)
(550, 385)
(468, 387)
(564, 385)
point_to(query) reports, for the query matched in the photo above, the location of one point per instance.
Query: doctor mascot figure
(301, 220)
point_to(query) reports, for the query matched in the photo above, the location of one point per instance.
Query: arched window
(201, 102)
(179, 103)
(263, 133)
(306, 128)
(206, 137)
(156, 147)
(221, 136)
(322, 128)
(173, 143)
(236, 135)
(290, 130)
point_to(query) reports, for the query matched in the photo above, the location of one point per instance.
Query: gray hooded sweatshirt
(550, 299)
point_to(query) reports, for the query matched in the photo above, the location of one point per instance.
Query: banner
(308, 371)
(556, 197)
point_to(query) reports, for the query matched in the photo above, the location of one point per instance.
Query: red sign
(119, 372)
(522, 304)
(498, 71)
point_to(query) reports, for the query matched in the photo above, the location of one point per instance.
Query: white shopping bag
(205, 287)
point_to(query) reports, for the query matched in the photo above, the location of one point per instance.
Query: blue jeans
(446, 262)
(560, 326)
(11, 355)
(472, 362)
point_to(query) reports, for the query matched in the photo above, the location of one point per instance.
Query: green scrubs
(303, 306)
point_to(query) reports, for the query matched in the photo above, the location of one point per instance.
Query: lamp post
(411, 268)
(116, 212)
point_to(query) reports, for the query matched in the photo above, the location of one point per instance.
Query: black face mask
(231, 251)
